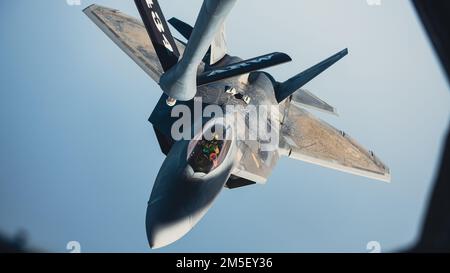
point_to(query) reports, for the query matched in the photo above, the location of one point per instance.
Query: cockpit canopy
(208, 150)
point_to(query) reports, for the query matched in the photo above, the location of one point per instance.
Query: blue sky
(78, 157)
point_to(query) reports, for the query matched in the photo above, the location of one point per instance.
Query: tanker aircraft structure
(201, 70)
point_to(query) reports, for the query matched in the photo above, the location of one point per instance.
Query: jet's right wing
(131, 36)
(307, 138)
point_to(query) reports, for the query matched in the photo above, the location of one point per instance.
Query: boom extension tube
(180, 81)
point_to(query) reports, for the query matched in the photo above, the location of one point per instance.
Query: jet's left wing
(307, 138)
(131, 36)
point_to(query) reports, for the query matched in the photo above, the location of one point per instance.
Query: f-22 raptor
(196, 170)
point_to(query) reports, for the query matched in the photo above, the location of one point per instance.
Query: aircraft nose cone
(180, 198)
(164, 227)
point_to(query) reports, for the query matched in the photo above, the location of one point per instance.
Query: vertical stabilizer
(159, 32)
(285, 89)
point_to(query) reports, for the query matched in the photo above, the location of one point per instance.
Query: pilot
(211, 149)
(205, 156)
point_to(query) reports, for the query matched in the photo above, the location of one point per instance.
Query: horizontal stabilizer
(304, 98)
(159, 32)
(285, 89)
(244, 67)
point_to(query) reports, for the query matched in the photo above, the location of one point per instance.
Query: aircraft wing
(307, 138)
(131, 36)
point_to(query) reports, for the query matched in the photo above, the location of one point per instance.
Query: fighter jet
(197, 70)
